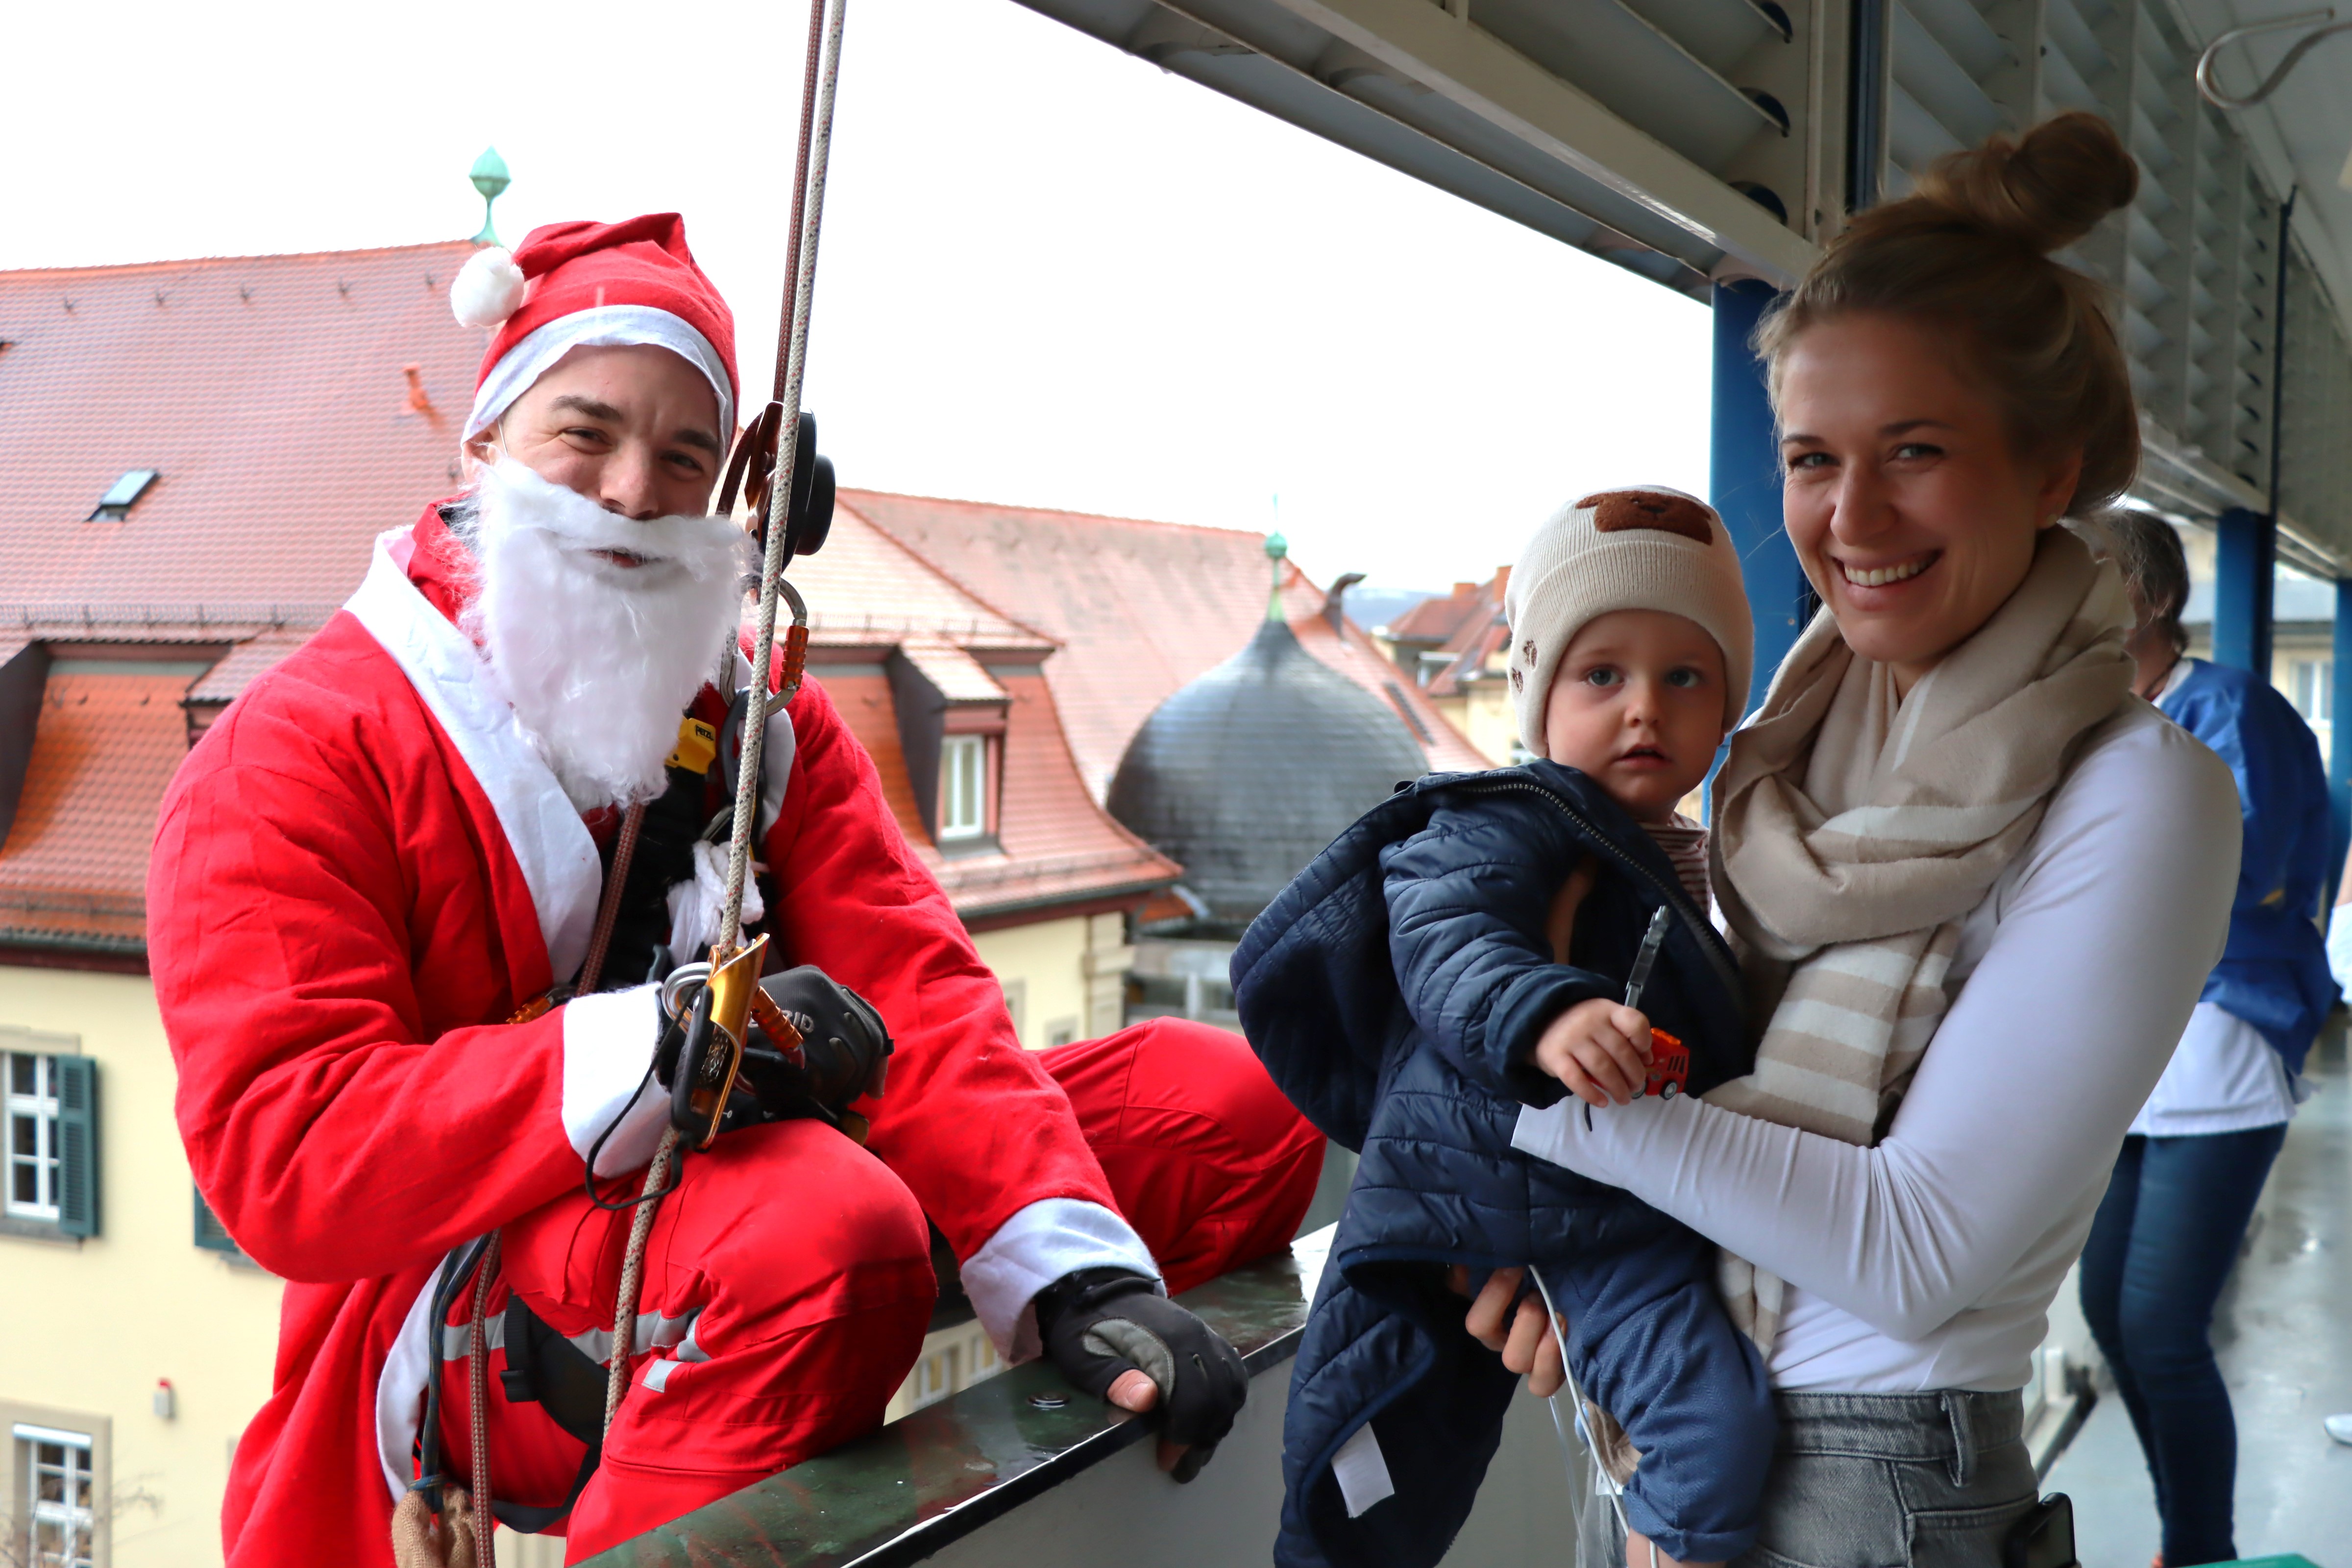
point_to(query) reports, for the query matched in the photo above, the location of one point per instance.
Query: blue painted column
(1744, 482)
(2245, 559)
(2339, 749)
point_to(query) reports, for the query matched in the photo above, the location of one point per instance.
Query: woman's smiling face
(1909, 505)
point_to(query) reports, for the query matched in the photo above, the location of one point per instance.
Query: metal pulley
(751, 469)
(717, 1005)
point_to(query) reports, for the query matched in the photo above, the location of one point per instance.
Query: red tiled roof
(1471, 646)
(225, 681)
(1138, 608)
(267, 392)
(868, 591)
(1434, 620)
(270, 394)
(73, 871)
(959, 676)
(865, 703)
(1057, 846)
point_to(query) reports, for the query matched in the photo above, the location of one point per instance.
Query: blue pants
(2163, 1243)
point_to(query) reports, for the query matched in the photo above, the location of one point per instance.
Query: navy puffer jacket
(1395, 991)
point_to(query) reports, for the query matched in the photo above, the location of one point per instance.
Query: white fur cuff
(608, 1042)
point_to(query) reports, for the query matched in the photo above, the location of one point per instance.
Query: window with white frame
(36, 1172)
(49, 1137)
(63, 1512)
(964, 787)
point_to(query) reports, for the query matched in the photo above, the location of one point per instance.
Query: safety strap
(456, 1269)
(533, 1520)
(543, 1368)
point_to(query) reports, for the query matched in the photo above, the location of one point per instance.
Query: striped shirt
(1684, 842)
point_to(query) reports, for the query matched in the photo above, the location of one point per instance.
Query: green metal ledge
(903, 1493)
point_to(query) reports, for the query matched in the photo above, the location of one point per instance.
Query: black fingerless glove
(1099, 1323)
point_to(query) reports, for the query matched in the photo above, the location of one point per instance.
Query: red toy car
(1669, 1066)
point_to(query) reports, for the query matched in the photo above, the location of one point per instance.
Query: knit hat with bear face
(1650, 549)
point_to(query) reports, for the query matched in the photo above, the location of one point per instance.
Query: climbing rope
(478, 1403)
(808, 214)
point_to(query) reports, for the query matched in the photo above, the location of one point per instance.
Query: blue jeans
(2163, 1243)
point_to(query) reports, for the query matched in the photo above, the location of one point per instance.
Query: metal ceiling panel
(2315, 433)
(1678, 138)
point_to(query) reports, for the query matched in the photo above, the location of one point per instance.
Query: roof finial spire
(1276, 549)
(489, 177)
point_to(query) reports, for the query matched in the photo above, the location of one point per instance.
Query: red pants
(788, 1286)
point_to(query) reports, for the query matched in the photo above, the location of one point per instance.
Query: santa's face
(600, 626)
(634, 429)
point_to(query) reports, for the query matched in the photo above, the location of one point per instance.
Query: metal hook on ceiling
(2324, 25)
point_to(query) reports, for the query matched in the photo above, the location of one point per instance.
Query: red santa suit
(365, 868)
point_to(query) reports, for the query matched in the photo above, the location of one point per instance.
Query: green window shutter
(77, 1080)
(211, 1235)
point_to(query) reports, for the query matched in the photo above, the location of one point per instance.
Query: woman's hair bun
(2047, 190)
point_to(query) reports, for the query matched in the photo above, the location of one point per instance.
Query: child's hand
(1600, 1049)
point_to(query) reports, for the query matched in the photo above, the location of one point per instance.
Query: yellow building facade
(1481, 709)
(150, 1350)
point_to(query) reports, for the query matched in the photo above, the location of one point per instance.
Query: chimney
(1463, 590)
(1502, 582)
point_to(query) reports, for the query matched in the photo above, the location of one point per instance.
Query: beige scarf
(1854, 833)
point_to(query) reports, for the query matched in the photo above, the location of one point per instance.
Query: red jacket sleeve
(325, 943)
(969, 1120)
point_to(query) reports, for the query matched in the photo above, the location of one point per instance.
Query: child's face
(1637, 704)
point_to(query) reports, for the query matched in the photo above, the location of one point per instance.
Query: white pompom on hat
(488, 289)
(1646, 548)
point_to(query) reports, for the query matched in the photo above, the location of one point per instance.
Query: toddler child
(1463, 950)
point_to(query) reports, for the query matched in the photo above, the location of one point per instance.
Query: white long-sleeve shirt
(1930, 1260)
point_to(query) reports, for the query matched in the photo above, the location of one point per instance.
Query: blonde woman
(1976, 882)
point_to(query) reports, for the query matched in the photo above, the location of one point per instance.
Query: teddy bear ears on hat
(488, 289)
(1654, 506)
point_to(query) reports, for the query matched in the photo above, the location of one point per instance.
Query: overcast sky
(1051, 273)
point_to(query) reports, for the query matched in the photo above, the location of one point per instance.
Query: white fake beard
(599, 660)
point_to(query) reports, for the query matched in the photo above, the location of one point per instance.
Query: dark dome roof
(1247, 773)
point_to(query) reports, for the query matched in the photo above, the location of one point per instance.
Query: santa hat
(592, 284)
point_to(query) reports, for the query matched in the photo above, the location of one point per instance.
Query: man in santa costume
(394, 845)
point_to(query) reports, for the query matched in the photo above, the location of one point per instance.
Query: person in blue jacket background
(2185, 1185)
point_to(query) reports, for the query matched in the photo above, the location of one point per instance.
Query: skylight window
(116, 504)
